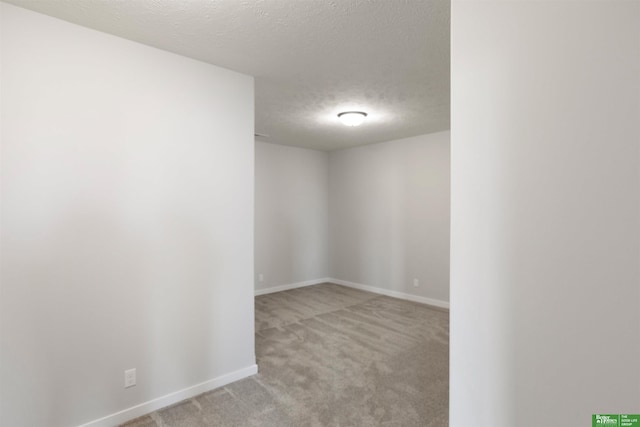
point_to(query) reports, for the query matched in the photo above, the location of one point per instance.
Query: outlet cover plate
(129, 378)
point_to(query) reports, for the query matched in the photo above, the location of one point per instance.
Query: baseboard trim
(171, 398)
(281, 288)
(395, 294)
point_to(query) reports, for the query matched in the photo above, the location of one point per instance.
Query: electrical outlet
(260, 277)
(129, 378)
(416, 283)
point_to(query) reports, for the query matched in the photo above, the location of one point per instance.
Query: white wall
(291, 208)
(389, 215)
(545, 274)
(127, 222)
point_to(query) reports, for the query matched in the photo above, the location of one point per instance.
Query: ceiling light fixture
(352, 118)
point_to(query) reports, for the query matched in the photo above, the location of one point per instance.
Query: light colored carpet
(332, 356)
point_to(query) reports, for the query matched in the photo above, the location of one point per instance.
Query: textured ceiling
(311, 58)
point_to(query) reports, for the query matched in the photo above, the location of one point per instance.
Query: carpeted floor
(332, 356)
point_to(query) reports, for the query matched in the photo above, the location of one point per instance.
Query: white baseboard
(171, 398)
(390, 293)
(291, 286)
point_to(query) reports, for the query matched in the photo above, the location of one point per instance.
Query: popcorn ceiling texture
(311, 59)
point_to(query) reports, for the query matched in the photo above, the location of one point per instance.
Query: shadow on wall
(101, 287)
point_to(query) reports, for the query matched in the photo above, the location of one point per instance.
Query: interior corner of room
(374, 217)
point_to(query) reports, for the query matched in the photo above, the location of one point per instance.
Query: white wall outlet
(129, 378)
(261, 277)
(416, 283)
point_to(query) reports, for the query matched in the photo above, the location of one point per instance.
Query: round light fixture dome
(352, 118)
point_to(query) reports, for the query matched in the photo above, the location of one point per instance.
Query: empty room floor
(329, 355)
